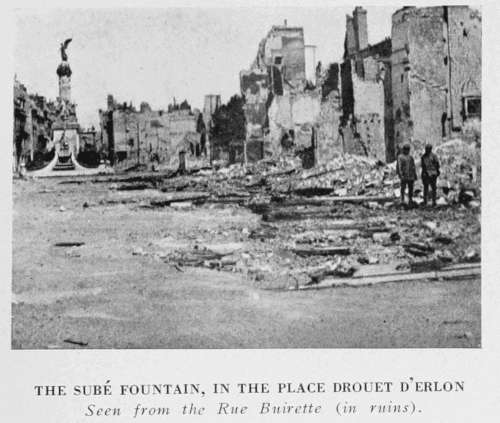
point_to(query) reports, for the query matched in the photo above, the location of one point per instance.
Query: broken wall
(329, 140)
(366, 113)
(436, 62)
(428, 76)
(149, 135)
(464, 34)
(297, 112)
(420, 75)
(287, 43)
(366, 89)
(400, 65)
(255, 90)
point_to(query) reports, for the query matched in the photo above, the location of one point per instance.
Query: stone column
(64, 74)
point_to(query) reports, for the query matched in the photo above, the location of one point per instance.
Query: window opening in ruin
(287, 139)
(121, 155)
(277, 81)
(402, 77)
(446, 60)
(278, 60)
(465, 33)
(472, 107)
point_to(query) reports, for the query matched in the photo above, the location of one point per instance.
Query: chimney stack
(360, 28)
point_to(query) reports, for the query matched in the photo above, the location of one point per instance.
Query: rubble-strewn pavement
(233, 258)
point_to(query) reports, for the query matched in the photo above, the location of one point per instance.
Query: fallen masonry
(306, 228)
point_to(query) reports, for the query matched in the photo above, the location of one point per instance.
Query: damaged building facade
(141, 136)
(34, 116)
(366, 92)
(282, 107)
(421, 85)
(436, 66)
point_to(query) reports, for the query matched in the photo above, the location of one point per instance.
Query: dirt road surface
(111, 292)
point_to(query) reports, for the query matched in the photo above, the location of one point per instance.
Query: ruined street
(116, 262)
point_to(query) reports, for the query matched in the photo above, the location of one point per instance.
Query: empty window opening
(472, 107)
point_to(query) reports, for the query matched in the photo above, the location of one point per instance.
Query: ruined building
(140, 136)
(421, 85)
(436, 67)
(367, 127)
(283, 109)
(33, 120)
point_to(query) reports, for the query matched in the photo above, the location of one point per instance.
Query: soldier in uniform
(430, 173)
(407, 173)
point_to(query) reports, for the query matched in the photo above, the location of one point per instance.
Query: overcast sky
(154, 55)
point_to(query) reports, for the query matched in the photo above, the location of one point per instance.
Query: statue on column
(64, 46)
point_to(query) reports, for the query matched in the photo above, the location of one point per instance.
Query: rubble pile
(329, 221)
(460, 168)
(344, 176)
(290, 253)
(349, 175)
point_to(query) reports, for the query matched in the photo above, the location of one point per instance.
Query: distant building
(281, 106)
(33, 120)
(144, 136)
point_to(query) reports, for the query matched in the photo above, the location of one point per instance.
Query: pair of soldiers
(407, 173)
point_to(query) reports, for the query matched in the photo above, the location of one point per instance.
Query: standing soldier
(407, 173)
(430, 173)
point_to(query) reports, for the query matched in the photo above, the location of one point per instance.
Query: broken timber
(454, 272)
(195, 197)
(326, 251)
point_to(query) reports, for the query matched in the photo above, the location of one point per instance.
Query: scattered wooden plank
(175, 198)
(325, 251)
(134, 187)
(313, 191)
(327, 200)
(448, 274)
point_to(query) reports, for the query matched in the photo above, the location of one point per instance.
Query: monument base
(64, 162)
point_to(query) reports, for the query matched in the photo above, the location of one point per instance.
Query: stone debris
(307, 219)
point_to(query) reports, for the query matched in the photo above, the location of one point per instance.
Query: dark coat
(405, 168)
(430, 166)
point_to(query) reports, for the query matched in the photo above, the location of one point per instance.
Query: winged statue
(64, 46)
